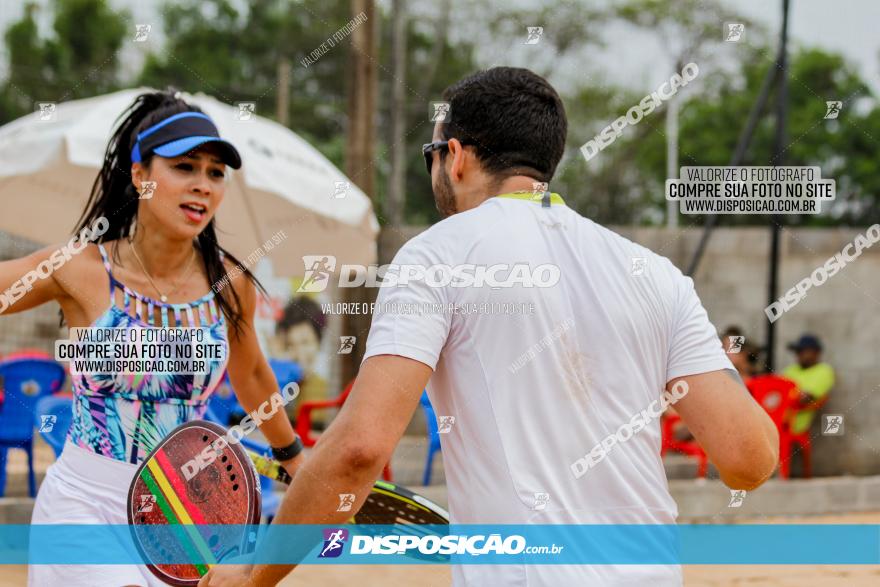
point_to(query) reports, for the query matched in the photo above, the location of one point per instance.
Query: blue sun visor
(181, 134)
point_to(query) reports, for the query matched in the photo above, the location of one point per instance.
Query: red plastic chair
(804, 440)
(29, 354)
(304, 421)
(304, 414)
(779, 398)
(687, 447)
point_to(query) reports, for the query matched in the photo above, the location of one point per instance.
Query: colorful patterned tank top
(123, 416)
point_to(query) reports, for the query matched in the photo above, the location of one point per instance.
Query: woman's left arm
(252, 378)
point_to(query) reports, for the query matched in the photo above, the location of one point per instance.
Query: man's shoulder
(610, 236)
(454, 233)
(643, 260)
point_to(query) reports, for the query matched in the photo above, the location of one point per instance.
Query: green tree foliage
(430, 69)
(213, 48)
(231, 50)
(845, 148)
(80, 59)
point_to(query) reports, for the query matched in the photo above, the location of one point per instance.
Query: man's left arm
(348, 459)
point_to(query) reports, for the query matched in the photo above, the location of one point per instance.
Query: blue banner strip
(689, 544)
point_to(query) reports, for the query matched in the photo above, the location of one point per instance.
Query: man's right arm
(737, 434)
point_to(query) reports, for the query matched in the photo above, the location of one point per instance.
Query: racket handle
(269, 467)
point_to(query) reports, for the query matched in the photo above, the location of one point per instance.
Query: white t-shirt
(533, 393)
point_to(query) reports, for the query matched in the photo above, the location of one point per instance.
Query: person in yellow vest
(813, 377)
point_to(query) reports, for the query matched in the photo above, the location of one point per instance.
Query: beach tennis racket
(177, 489)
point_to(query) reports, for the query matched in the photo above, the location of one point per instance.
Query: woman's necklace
(175, 285)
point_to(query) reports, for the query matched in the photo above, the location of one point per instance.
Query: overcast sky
(849, 27)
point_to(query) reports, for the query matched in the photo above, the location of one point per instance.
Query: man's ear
(459, 158)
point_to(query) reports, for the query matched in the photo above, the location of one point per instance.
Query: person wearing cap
(813, 377)
(151, 259)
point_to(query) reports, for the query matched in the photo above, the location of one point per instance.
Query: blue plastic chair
(433, 436)
(25, 381)
(222, 404)
(286, 371)
(52, 420)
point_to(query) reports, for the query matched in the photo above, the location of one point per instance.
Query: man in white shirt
(549, 339)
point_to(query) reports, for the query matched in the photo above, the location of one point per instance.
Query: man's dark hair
(301, 310)
(512, 117)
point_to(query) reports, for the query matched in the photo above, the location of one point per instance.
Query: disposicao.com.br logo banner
(790, 544)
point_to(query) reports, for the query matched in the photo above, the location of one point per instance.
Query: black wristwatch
(288, 452)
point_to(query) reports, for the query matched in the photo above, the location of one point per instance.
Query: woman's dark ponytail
(114, 197)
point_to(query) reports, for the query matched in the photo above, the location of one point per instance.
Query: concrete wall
(844, 312)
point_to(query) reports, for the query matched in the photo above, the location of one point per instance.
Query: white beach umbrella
(47, 168)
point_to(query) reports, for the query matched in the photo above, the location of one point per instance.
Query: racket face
(392, 504)
(177, 486)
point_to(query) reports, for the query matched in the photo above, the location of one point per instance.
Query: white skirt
(82, 487)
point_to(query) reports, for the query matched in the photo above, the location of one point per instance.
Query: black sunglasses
(429, 148)
(428, 151)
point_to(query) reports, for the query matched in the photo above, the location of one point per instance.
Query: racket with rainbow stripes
(185, 484)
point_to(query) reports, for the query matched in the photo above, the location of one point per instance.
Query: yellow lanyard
(546, 198)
